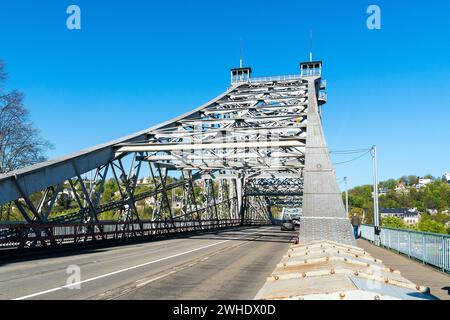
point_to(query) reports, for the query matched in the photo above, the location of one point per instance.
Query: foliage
(393, 222)
(429, 225)
(20, 142)
(389, 184)
(435, 195)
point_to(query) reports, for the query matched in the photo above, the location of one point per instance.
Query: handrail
(412, 231)
(276, 78)
(73, 233)
(429, 248)
(270, 78)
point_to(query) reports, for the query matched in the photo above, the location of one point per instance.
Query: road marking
(154, 279)
(128, 269)
(141, 284)
(118, 271)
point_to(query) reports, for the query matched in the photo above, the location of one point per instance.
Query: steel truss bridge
(256, 147)
(244, 150)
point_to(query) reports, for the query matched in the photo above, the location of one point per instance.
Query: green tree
(441, 217)
(429, 225)
(64, 201)
(412, 180)
(403, 179)
(389, 184)
(393, 222)
(109, 190)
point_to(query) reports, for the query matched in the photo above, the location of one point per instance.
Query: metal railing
(430, 248)
(75, 233)
(275, 78)
(311, 72)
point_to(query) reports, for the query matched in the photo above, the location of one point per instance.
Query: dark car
(288, 226)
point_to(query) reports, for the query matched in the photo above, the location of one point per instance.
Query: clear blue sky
(136, 63)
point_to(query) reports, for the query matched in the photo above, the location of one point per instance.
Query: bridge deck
(230, 264)
(438, 282)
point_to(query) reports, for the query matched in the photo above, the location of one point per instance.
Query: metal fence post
(435, 247)
(443, 253)
(409, 244)
(447, 254)
(423, 249)
(389, 233)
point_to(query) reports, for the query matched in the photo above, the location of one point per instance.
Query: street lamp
(346, 195)
(376, 214)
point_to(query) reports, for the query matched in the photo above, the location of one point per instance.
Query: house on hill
(409, 216)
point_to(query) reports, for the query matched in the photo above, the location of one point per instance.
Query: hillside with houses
(410, 202)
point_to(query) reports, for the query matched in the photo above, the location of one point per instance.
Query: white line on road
(118, 271)
(127, 269)
(154, 279)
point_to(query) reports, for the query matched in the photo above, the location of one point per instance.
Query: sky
(137, 63)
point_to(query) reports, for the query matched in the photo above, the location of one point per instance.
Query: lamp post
(346, 195)
(376, 215)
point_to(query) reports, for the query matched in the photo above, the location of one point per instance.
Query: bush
(393, 222)
(432, 226)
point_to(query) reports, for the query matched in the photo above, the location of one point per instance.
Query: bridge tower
(324, 215)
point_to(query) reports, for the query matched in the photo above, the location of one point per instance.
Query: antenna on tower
(241, 62)
(310, 45)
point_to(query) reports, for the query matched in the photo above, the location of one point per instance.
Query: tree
(20, 142)
(389, 184)
(361, 197)
(429, 225)
(64, 201)
(393, 222)
(404, 180)
(412, 180)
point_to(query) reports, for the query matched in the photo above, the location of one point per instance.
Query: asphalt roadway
(224, 265)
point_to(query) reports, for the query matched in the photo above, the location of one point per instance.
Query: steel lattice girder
(275, 187)
(253, 127)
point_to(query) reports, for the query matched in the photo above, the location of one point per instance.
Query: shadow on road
(9, 256)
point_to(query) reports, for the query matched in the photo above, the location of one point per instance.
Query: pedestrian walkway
(437, 281)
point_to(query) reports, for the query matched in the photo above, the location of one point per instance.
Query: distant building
(382, 191)
(447, 177)
(409, 216)
(401, 187)
(150, 201)
(66, 192)
(423, 182)
(144, 181)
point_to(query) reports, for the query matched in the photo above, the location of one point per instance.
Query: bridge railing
(77, 233)
(430, 248)
(271, 78)
(277, 78)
